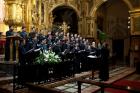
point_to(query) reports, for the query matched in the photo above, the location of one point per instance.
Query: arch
(64, 4)
(94, 9)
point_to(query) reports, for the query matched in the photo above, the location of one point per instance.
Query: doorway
(118, 49)
(66, 14)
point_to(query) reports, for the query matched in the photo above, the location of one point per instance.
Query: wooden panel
(137, 24)
(135, 48)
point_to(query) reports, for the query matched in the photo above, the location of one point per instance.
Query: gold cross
(64, 27)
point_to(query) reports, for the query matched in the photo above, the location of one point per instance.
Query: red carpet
(134, 84)
(110, 90)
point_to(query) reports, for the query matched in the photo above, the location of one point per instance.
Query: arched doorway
(66, 14)
(112, 19)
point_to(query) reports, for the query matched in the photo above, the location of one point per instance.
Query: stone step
(6, 84)
(3, 74)
(1, 58)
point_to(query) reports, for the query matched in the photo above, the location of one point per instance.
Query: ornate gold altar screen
(39, 12)
(30, 13)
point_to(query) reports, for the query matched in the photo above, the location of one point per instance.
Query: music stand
(94, 59)
(12, 39)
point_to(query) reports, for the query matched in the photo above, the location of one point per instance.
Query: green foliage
(49, 57)
(102, 36)
(40, 59)
(52, 58)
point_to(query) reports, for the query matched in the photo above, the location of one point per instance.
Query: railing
(105, 85)
(40, 89)
(39, 73)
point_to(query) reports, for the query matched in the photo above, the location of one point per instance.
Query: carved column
(25, 12)
(45, 12)
(83, 14)
(28, 15)
(49, 15)
(80, 26)
(94, 27)
(40, 12)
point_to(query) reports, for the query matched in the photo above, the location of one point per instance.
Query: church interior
(69, 46)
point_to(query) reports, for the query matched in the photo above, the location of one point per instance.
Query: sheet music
(37, 49)
(92, 52)
(29, 51)
(91, 56)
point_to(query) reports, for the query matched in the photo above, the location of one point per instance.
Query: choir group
(57, 41)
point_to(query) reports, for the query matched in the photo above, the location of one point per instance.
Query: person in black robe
(56, 48)
(22, 46)
(22, 52)
(42, 44)
(7, 45)
(104, 65)
(32, 41)
(77, 60)
(31, 48)
(23, 33)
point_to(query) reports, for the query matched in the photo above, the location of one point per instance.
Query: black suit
(104, 65)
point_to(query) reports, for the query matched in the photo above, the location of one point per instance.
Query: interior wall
(115, 24)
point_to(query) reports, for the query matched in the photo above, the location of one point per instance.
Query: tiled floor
(72, 87)
(135, 77)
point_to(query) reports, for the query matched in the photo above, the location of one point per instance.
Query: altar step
(1, 58)
(6, 84)
(3, 74)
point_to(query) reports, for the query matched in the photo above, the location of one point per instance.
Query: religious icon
(64, 27)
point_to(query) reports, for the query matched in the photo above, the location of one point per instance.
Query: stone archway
(64, 4)
(65, 13)
(95, 8)
(114, 23)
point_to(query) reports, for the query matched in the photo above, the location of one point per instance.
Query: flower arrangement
(49, 57)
